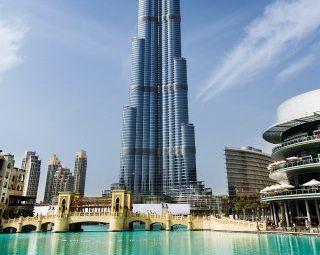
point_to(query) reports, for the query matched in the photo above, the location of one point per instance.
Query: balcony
(293, 165)
(311, 193)
(295, 142)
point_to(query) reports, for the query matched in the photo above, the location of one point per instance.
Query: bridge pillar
(147, 225)
(117, 223)
(168, 225)
(39, 223)
(19, 227)
(189, 222)
(61, 224)
(49, 227)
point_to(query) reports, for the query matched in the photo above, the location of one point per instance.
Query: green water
(158, 242)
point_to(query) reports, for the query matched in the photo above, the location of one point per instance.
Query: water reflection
(159, 242)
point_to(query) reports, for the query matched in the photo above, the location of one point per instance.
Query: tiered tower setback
(158, 154)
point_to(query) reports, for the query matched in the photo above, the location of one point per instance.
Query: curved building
(158, 148)
(297, 168)
(246, 171)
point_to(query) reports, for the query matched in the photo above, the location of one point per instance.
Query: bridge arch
(28, 227)
(157, 226)
(133, 222)
(9, 229)
(78, 226)
(179, 227)
(47, 226)
(88, 220)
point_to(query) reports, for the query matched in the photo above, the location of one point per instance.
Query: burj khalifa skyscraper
(158, 154)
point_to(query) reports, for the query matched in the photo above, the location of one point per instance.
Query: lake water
(95, 241)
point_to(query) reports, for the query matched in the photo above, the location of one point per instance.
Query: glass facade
(158, 154)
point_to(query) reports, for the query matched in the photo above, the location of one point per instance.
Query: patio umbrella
(312, 183)
(274, 187)
(265, 190)
(286, 186)
(292, 158)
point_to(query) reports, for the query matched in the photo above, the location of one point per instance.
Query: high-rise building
(80, 169)
(32, 165)
(158, 154)
(53, 165)
(62, 181)
(296, 134)
(247, 171)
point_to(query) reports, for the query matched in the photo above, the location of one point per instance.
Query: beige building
(11, 183)
(16, 182)
(6, 167)
(62, 181)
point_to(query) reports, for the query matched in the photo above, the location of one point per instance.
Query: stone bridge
(20, 224)
(118, 222)
(119, 217)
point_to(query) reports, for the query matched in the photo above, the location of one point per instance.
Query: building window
(117, 204)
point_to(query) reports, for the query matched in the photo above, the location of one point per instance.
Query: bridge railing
(28, 219)
(82, 214)
(157, 216)
(241, 223)
(180, 217)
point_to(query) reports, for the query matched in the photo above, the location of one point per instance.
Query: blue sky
(65, 69)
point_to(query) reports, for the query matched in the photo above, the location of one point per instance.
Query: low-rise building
(6, 168)
(12, 179)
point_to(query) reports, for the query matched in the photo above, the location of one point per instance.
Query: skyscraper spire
(158, 145)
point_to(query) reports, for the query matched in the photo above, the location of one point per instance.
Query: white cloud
(11, 35)
(296, 67)
(268, 40)
(299, 65)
